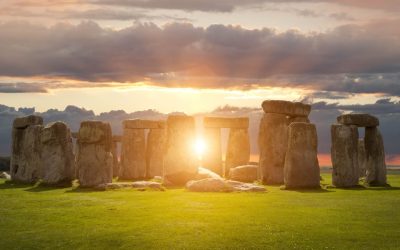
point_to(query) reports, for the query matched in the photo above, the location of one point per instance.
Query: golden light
(199, 147)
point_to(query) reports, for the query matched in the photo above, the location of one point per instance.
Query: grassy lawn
(45, 218)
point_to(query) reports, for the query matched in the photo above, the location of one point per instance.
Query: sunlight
(199, 147)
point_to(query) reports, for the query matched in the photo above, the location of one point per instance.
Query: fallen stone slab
(359, 120)
(287, 108)
(204, 173)
(4, 175)
(247, 173)
(143, 124)
(226, 122)
(220, 185)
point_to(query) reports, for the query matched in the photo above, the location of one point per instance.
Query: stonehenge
(273, 136)
(350, 155)
(301, 163)
(238, 151)
(141, 158)
(94, 160)
(164, 149)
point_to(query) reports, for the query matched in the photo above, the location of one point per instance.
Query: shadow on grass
(41, 187)
(83, 190)
(12, 185)
(321, 190)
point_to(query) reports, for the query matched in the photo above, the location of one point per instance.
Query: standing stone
(344, 152)
(57, 154)
(26, 149)
(155, 152)
(94, 159)
(212, 158)
(133, 156)
(273, 145)
(180, 162)
(361, 158)
(301, 162)
(238, 151)
(375, 157)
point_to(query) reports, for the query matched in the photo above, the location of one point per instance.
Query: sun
(199, 147)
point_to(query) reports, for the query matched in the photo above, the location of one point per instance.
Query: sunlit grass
(46, 218)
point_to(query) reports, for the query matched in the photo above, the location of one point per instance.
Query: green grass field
(70, 218)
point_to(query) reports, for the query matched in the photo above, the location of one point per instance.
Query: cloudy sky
(195, 55)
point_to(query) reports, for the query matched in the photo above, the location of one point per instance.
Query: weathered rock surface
(226, 122)
(155, 152)
(57, 154)
(220, 185)
(94, 158)
(362, 160)
(301, 162)
(298, 119)
(245, 187)
(148, 184)
(143, 124)
(180, 161)
(375, 158)
(204, 173)
(238, 151)
(247, 173)
(344, 153)
(287, 108)
(208, 185)
(133, 155)
(4, 175)
(212, 158)
(272, 142)
(26, 165)
(360, 120)
(24, 122)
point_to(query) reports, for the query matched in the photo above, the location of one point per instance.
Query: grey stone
(287, 108)
(375, 158)
(155, 152)
(360, 120)
(24, 122)
(301, 162)
(212, 158)
(57, 154)
(204, 173)
(180, 160)
(4, 175)
(226, 122)
(26, 164)
(344, 153)
(362, 160)
(148, 185)
(238, 151)
(133, 155)
(273, 139)
(245, 187)
(247, 173)
(209, 185)
(94, 159)
(292, 119)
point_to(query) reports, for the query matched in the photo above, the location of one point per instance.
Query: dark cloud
(350, 58)
(21, 87)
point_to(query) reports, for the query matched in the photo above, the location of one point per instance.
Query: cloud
(350, 58)
(21, 87)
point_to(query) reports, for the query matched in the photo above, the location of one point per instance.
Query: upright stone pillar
(238, 151)
(212, 158)
(375, 157)
(57, 156)
(133, 157)
(272, 142)
(361, 158)
(155, 152)
(26, 149)
(180, 162)
(344, 152)
(94, 158)
(301, 162)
